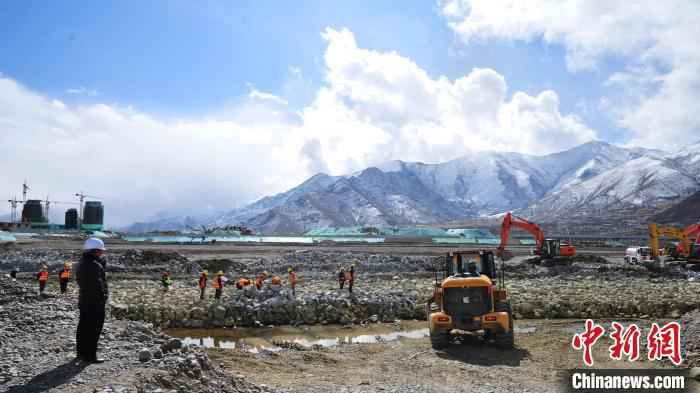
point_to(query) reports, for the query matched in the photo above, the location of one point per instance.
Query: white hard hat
(94, 243)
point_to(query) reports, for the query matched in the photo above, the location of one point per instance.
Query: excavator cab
(470, 297)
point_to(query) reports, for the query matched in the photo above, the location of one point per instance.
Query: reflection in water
(255, 340)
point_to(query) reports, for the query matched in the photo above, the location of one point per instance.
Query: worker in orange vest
(64, 277)
(218, 284)
(350, 277)
(260, 279)
(202, 283)
(43, 277)
(292, 280)
(276, 280)
(341, 277)
(242, 282)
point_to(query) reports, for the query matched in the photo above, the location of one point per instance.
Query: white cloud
(372, 107)
(656, 39)
(82, 91)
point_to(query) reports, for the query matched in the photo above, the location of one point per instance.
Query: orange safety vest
(293, 278)
(242, 282)
(202, 282)
(65, 274)
(43, 276)
(217, 284)
(276, 280)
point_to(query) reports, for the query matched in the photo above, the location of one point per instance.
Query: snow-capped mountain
(588, 179)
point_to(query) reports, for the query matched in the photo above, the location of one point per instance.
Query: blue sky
(181, 58)
(191, 107)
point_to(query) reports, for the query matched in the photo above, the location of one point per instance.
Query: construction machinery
(467, 298)
(694, 253)
(547, 249)
(682, 250)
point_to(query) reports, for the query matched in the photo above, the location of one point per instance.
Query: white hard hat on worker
(94, 243)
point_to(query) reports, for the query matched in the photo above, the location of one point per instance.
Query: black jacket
(91, 278)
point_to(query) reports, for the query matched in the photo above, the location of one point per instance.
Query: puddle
(524, 329)
(269, 339)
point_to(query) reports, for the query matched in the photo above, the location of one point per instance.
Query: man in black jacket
(92, 300)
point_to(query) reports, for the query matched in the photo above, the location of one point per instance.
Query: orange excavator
(546, 248)
(694, 252)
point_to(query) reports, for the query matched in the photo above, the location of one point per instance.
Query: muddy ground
(472, 366)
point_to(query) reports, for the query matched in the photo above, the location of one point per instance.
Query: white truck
(635, 255)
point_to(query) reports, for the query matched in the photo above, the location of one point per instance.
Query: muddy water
(271, 339)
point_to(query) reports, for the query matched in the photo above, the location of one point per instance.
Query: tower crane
(48, 203)
(82, 197)
(13, 208)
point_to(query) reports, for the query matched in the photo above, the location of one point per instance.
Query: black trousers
(92, 318)
(350, 282)
(201, 293)
(217, 294)
(42, 286)
(342, 283)
(64, 285)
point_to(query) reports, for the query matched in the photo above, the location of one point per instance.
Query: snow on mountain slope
(653, 180)
(587, 179)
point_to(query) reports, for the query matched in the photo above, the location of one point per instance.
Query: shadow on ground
(478, 352)
(50, 379)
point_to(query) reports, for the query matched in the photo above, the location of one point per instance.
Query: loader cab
(457, 265)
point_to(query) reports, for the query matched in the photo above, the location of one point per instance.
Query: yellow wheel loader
(466, 298)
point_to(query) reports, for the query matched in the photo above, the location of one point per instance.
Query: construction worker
(64, 277)
(203, 283)
(350, 277)
(292, 280)
(42, 277)
(166, 281)
(93, 296)
(260, 279)
(242, 283)
(218, 284)
(341, 277)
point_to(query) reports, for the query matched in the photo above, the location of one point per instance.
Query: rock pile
(272, 306)
(29, 261)
(37, 337)
(151, 261)
(691, 335)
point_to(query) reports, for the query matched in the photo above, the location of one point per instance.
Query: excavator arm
(511, 220)
(690, 230)
(655, 231)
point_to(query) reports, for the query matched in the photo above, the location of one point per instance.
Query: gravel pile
(37, 337)
(691, 335)
(271, 306)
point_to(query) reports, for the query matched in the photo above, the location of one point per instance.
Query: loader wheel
(505, 340)
(439, 340)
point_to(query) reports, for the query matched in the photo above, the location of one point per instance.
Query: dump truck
(469, 297)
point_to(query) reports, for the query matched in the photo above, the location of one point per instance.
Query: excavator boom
(545, 247)
(655, 231)
(510, 220)
(691, 230)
